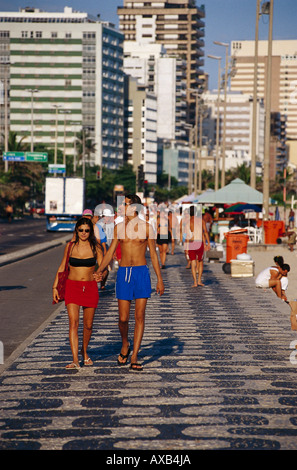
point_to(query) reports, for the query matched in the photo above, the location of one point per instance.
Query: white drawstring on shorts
(127, 274)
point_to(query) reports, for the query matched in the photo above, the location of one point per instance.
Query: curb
(21, 348)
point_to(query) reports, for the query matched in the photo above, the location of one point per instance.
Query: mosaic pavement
(219, 373)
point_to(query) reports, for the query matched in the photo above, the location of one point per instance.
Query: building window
(89, 35)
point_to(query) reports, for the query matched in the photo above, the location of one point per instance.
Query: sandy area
(263, 257)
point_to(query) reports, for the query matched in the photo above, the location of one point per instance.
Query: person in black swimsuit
(164, 235)
(81, 288)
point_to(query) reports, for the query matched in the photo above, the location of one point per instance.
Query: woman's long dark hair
(279, 260)
(92, 239)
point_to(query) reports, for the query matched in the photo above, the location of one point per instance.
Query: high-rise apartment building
(239, 118)
(140, 143)
(284, 72)
(177, 25)
(164, 76)
(65, 74)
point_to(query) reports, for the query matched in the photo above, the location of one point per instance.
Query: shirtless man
(196, 236)
(133, 277)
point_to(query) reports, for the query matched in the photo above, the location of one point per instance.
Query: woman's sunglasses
(87, 230)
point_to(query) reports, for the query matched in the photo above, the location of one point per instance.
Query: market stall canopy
(192, 197)
(236, 191)
(185, 198)
(241, 207)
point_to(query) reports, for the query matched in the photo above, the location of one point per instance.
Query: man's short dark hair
(286, 267)
(135, 201)
(133, 198)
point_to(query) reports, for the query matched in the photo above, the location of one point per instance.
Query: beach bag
(62, 277)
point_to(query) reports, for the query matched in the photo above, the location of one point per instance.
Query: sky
(225, 21)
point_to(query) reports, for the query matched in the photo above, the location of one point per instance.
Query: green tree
(101, 190)
(23, 180)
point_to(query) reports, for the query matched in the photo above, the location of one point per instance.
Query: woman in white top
(271, 277)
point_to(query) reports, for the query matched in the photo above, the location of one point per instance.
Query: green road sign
(36, 157)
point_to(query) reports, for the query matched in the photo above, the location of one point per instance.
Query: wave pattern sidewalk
(217, 375)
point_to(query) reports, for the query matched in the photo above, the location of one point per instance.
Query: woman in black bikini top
(81, 288)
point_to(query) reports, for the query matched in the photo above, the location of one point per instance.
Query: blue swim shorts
(133, 282)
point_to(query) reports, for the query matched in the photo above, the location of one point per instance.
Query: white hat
(98, 210)
(107, 213)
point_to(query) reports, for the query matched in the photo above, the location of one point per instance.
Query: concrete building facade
(175, 24)
(284, 84)
(65, 74)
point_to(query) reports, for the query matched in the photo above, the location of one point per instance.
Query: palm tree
(16, 185)
(86, 145)
(16, 144)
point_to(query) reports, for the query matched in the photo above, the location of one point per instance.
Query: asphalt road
(23, 233)
(25, 285)
(26, 296)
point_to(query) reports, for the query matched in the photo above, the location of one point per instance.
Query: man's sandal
(124, 357)
(136, 367)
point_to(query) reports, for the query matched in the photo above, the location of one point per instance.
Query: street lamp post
(65, 111)
(196, 94)
(218, 121)
(218, 43)
(56, 106)
(32, 91)
(190, 162)
(74, 124)
(267, 118)
(5, 64)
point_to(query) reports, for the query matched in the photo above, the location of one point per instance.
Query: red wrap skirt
(82, 293)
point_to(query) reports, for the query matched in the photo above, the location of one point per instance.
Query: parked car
(37, 208)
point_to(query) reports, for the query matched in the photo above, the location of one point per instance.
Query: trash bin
(272, 230)
(236, 243)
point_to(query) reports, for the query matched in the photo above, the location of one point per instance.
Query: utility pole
(267, 119)
(218, 121)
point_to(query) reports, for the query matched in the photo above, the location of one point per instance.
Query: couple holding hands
(87, 267)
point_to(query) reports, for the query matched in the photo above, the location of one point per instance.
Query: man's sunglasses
(87, 230)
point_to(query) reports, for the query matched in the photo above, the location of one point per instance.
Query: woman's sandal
(73, 366)
(88, 362)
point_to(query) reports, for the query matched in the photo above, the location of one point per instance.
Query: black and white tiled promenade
(219, 373)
